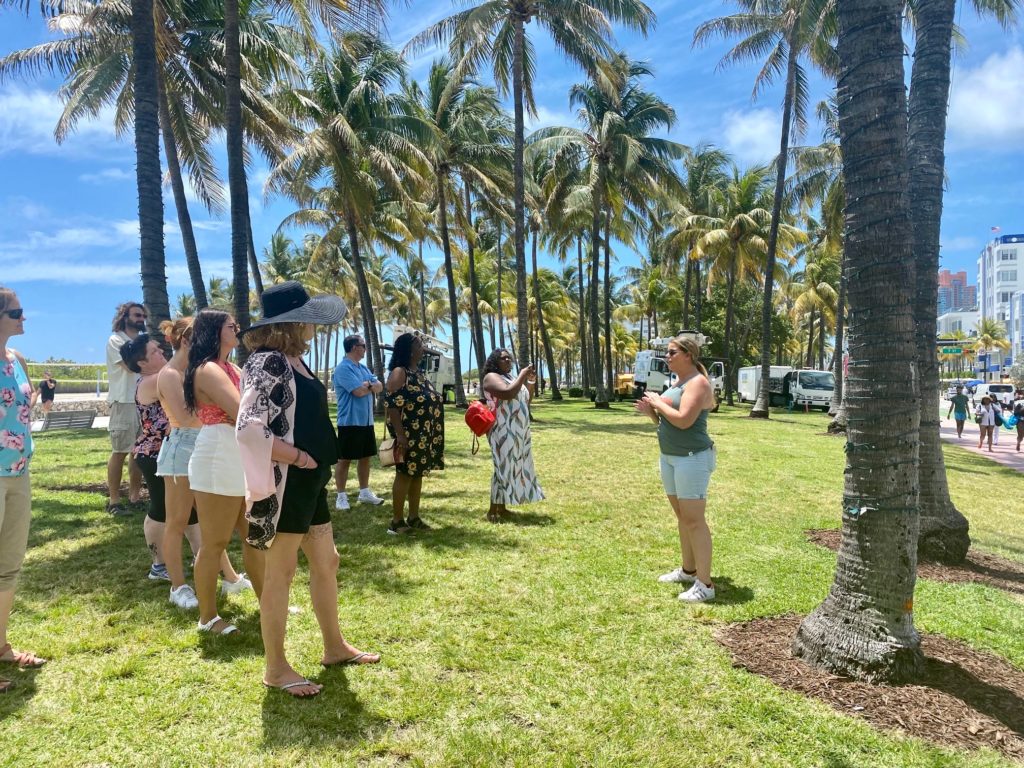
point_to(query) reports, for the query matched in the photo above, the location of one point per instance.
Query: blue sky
(68, 216)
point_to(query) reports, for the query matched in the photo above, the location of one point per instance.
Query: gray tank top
(674, 441)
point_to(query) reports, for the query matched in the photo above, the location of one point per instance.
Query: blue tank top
(674, 441)
(15, 419)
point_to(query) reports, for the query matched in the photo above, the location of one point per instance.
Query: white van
(998, 390)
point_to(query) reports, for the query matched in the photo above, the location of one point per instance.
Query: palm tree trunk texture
(453, 302)
(944, 534)
(584, 354)
(821, 341)
(152, 263)
(609, 371)
(254, 264)
(519, 191)
(475, 320)
(809, 361)
(865, 627)
(501, 269)
(686, 293)
(188, 237)
(601, 398)
(239, 193)
(729, 319)
(548, 353)
(760, 409)
(836, 403)
(365, 302)
(423, 290)
(699, 302)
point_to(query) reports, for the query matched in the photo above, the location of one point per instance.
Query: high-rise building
(1000, 282)
(955, 293)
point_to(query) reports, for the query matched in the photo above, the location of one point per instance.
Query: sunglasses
(14, 314)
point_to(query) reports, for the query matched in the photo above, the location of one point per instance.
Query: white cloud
(28, 118)
(107, 175)
(986, 102)
(752, 137)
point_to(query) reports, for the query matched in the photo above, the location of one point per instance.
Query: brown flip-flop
(355, 661)
(23, 659)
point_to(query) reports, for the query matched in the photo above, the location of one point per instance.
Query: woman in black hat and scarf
(289, 448)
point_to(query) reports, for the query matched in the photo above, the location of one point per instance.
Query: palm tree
(468, 142)
(991, 338)
(363, 139)
(780, 31)
(865, 628)
(496, 30)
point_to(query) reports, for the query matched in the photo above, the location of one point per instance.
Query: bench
(68, 420)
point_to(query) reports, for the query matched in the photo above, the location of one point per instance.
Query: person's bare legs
(178, 501)
(153, 531)
(399, 491)
(690, 513)
(195, 540)
(134, 481)
(685, 546)
(341, 475)
(281, 560)
(415, 487)
(47, 406)
(115, 468)
(362, 473)
(322, 555)
(218, 516)
(255, 560)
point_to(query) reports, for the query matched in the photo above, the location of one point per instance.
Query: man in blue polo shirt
(355, 385)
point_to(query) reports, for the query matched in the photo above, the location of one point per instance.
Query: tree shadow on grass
(336, 715)
(640, 428)
(21, 693)
(526, 519)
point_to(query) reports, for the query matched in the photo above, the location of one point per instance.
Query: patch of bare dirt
(965, 698)
(979, 567)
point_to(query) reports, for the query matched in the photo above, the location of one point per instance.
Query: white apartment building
(1015, 326)
(1000, 279)
(965, 320)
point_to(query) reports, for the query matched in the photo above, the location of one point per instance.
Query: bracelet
(298, 455)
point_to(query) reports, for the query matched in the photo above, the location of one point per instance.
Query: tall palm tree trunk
(475, 319)
(453, 302)
(548, 354)
(699, 300)
(423, 290)
(821, 341)
(760, 409)
(519, 191)
(188, 237)
(686, 293)
(809, 361)
(501, 269)
(584, 344)
(365, 302)
(238, 189)
(152, 263)
(600, 399)
(254, 264)
(944, 534)
(608, 363)
(729, 342)
(865, 627)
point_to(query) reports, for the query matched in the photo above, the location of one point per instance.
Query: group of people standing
(990, 414)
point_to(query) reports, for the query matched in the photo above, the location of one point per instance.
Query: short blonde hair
(281, 337)
(177, 331)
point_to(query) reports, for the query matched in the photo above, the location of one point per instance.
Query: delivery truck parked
(788, 386)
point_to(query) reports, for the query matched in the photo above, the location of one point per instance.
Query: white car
(1001, 392)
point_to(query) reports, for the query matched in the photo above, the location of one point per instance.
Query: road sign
(951, 350)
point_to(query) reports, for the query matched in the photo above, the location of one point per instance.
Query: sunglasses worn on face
(14, 314)
(673, 352)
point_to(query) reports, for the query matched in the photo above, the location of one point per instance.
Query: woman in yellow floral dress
(416, 421)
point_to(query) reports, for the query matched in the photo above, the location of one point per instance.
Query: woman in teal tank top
(687, 461)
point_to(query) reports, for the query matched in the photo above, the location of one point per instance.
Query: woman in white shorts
(172, 463)
(215, 468)
(687, 461)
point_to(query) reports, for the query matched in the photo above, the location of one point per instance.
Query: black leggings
(155, 484)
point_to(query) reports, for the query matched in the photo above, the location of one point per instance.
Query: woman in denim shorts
(687, 461)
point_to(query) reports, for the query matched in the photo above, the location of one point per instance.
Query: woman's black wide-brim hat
(289, 302)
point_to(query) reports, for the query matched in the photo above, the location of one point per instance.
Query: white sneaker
(229, 588)
(678, 576)
(698, 593)
(366, 496)
(184, 597)
(342, 501)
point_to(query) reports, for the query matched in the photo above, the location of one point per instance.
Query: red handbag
(480, 419)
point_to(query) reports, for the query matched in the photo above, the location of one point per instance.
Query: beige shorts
(124, 426)
(15, 514)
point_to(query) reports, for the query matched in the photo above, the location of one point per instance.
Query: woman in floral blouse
(416, 421)
(15, 485)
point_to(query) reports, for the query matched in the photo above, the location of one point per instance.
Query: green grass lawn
(546, 642)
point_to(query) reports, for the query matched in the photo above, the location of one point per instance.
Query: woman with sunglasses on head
(416, 420)
(687, 461)
(15, 484)
(181, 520)
(289, 448)
(211, 388)
(515, 478)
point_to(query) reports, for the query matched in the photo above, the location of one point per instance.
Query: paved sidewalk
(1005, 453)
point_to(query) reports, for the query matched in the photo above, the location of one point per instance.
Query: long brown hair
(121, 316)
(690, 347)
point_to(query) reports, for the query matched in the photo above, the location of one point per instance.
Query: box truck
(788, 386)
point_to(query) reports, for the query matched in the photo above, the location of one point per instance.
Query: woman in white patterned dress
(515, 479)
